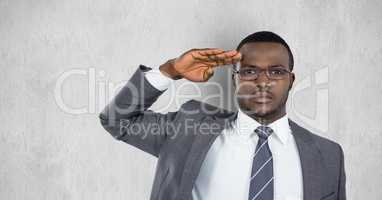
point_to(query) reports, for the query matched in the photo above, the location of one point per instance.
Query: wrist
(168, 70)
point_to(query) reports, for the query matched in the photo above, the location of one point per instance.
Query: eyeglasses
(252, 73)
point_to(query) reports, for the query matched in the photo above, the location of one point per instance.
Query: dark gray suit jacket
(181, 139)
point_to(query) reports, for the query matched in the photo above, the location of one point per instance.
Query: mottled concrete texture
(51, 143)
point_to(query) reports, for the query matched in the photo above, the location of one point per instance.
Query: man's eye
(248, 71)
(277, 71)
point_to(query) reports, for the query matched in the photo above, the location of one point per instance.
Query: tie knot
(263, 132)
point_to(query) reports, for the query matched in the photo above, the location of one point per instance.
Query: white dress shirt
(226, 171)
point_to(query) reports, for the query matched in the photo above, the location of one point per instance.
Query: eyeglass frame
(261, 71)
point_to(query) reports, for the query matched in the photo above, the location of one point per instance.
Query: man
(205, 152)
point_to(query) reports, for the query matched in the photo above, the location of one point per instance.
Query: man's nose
(263, 79)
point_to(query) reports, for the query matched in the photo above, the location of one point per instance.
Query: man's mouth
(262, 97)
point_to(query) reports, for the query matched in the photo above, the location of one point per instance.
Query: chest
(228, 165)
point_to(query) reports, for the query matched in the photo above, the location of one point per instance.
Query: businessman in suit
(207, 153)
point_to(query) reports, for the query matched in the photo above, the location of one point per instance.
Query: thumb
(208, 73)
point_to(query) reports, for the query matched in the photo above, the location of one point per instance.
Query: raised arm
(127, 117)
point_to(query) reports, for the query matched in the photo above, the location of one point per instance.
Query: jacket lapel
(312, 164)
(200, 146)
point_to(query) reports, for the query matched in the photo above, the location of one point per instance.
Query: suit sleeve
(158, 80)
(128, 119)
(342, 179)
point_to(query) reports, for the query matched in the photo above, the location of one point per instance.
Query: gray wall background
(47, 152)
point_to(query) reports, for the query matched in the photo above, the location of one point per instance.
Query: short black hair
(267, 36)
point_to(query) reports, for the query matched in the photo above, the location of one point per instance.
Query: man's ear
(292, 77)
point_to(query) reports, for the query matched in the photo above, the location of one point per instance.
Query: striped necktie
(261, 181)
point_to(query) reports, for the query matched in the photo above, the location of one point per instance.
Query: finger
(209, 60)
(195, 67)
(201, 58)
(216, 63)
(236, 58)
(231, 52)
(230, 60)
(239, 55)
(218, 51)
(211, 50)
(213, 55)
(229, 57)
(208, 51)
(221, 55)
(205, 55)
(227, 54)
(224, 58)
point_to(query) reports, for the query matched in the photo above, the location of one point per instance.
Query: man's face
(263, 97)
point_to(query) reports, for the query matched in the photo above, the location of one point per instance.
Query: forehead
(264, 52)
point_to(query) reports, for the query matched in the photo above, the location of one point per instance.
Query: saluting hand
(198, 65)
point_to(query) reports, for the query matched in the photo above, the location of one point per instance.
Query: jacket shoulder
(325, 145)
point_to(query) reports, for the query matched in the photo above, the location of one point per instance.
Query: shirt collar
(246, 126)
